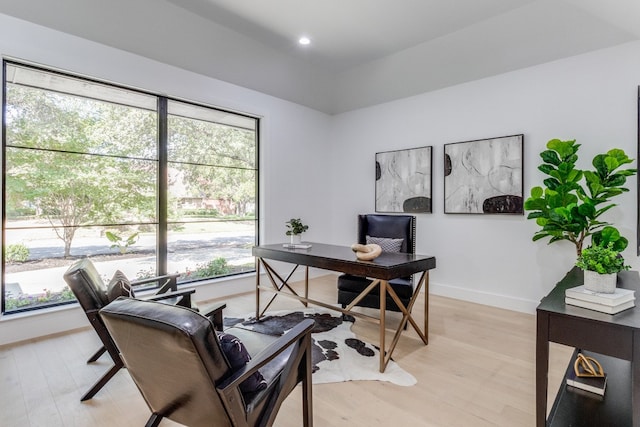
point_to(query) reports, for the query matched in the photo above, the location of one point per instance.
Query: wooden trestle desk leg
(426, 306)
(383, 308)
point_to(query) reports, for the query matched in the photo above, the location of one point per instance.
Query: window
(136, 182)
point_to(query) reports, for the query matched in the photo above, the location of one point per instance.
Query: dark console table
(341, 258)
(614, 340)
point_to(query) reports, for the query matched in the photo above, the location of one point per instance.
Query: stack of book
(621, 299)
(595, 385)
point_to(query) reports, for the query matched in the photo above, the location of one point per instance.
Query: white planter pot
(296, 239)
(603, 283)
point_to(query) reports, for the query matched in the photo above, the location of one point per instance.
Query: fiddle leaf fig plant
(573, 200)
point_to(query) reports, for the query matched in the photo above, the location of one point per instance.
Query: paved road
(186, 251)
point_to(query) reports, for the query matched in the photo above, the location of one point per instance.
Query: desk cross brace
(278, 284)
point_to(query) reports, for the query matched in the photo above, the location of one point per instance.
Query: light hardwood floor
(478, 370)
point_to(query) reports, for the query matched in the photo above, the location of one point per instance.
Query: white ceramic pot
(603, 283)
(296, 239)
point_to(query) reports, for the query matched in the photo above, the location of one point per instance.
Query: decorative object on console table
(567, 209)
(295, 229)
(297, 245)
(484, 176)
(602, 261)
(600, 307)
(587, 374)
(613, 299)
(366, 252)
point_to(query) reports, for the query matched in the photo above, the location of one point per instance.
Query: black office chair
(186, 373)
(92, 294)
(394, 233)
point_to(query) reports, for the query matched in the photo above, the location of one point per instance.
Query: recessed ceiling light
(304, 41)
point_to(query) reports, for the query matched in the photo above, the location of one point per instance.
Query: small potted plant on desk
(295, 228)
(602, 261)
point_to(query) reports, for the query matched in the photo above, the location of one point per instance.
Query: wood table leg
(542, 368)
(635, 380)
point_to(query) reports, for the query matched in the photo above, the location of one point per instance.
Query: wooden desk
(386, 267)
(617, 336)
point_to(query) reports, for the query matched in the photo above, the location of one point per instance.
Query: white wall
(491, 258)
(293, 143)
(320, 168)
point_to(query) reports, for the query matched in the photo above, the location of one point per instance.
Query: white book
(618, 297)
(297, 245)
(595, 385)
(600, 307)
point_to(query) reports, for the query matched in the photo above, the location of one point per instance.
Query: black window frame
(162, 186)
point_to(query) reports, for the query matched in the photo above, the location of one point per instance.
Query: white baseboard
(36, 324)
(24, 326)
(485, 298)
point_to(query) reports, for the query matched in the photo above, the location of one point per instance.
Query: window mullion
(163, 182)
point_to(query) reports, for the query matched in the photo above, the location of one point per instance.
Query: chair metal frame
(130, 321)
(92, 297)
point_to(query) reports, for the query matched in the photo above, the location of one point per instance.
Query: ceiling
(363, 52)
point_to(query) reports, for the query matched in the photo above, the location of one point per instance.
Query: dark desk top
(554, 301)
(341, 258)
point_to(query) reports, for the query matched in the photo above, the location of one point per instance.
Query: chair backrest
(173, 356)
(389, 226)
(87, 285)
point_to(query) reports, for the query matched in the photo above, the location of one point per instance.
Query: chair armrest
(214, 313)
(185, 296)
(268, 354)
(170, 282)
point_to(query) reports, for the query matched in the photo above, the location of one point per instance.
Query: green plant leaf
(537, 192)
(552, 183)
(541, 221)
(546, 168)
(564, 148)
(612, 163)
(550, 156)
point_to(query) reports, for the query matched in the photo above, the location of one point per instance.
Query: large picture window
(137, 182)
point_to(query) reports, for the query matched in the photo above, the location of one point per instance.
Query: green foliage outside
(213, 268)
(16, 253)
(84, 164)
(573, 200)
(121, 243)
(48, 297)
(201, 212)
(72, 176)
(80, 162)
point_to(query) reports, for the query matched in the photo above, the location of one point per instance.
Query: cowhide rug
(337, 354)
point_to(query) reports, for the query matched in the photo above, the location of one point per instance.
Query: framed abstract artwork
(484, 176)
(403, 180)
